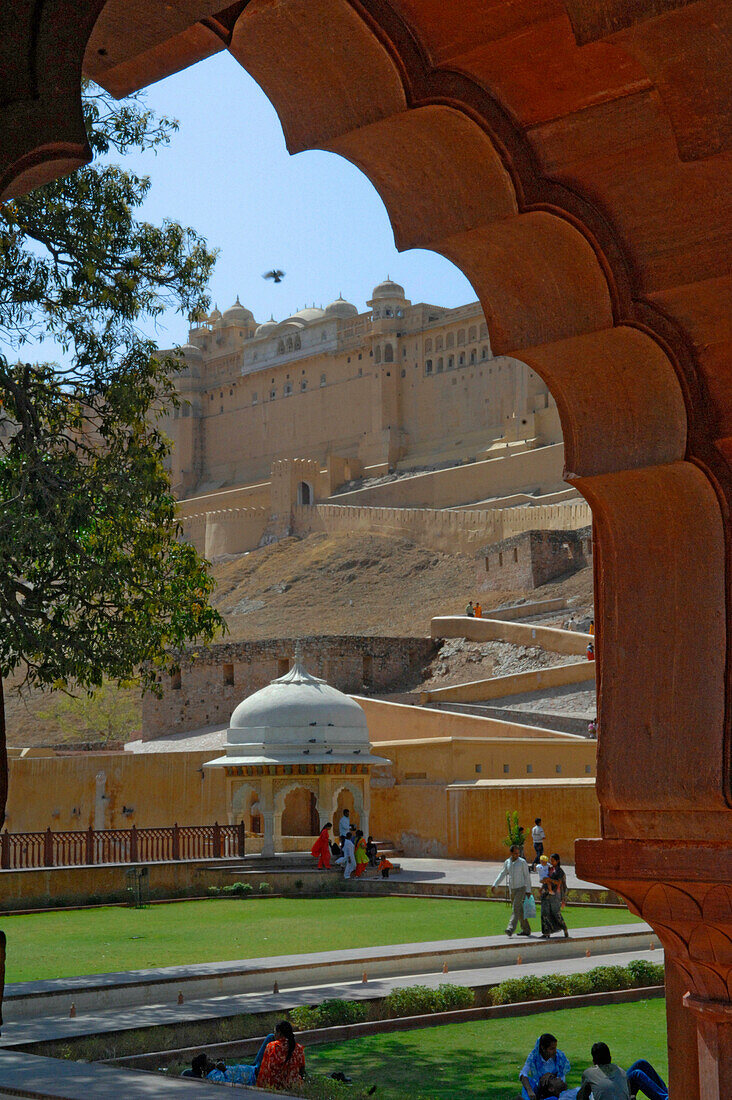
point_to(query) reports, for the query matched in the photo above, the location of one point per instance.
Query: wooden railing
(74, 849)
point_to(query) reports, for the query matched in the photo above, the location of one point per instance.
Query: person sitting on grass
(283, 1063)
(544, 1058)
(551, 1087)
(202, 1066)
(605, 1081)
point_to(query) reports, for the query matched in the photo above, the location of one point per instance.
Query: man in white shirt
(537, 836)
(516, 870)
(343, 826)
(349, 855)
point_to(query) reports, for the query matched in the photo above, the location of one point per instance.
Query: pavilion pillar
(268, 841)
(277, 830)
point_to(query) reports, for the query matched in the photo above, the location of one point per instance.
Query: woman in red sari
(321, 848)
(284, 1060)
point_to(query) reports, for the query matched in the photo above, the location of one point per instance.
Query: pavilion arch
(429, 106)
(282, 791)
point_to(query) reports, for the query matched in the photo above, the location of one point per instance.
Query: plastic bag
(529, 906)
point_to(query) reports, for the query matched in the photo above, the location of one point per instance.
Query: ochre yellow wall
(498, 686)
(476, 816)
(401, 722)
(163, 788)
(491, 630)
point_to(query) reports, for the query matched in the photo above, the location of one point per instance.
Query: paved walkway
(474, 966)
(58, 1079)
(470, 872)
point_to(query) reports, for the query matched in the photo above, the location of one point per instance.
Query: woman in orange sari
(284, 1060)
(321, 848)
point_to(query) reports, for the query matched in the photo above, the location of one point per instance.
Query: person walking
(538, 837)
(470, 610)
(348, 859)
(516, 871)
(590, 651)
(478, 610)
(360, 854)
(553, 896)
(321, 848)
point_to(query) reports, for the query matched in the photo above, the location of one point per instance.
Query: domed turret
(214, 316)
(305, 316)
(266, 329)
(341, 308)
(298, 719)
(191, 351)
(237, 314)
(388, 289)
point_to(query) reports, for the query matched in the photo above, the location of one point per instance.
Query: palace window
(461, 336)
(440, 365)
(461, 360)
(388, 354)
(288, 389)
(472, 334)
(322, 379)
(438, 343)
(255, 399)
(450, 362)
(472, 357)
(428, 366)
(450, 342)
(428, 345)
(272, 394)
(304, 384)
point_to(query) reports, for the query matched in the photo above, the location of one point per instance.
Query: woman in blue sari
(544, 1058)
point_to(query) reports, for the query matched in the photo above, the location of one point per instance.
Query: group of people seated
(546, 1070)
(355, 852)
(280, 1063)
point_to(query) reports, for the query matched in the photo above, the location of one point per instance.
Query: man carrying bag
(516, 870)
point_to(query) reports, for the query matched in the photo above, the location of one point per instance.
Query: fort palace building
(402, 383)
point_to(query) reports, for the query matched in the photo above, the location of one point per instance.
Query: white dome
(266, 328)
(237, 314)
(307, 316)
(341, 308)
(214, 315)
(190, 351)
(388, 289)
(298, 719)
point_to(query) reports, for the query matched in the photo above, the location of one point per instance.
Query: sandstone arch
(588, 130)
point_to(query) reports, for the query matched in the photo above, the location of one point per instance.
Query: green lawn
(93, 941)
(482, 1059)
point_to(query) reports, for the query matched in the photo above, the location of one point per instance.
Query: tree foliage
(95, 581)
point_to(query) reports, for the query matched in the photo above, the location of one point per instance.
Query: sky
(228, 174)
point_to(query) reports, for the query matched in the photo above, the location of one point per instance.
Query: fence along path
(93, 846)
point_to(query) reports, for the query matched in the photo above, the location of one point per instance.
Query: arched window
(377, 354)
(289, 343)
(281, 347)
(298, 345)
(438, 344)
(428, 366)
(450, 362)
(304, 494)
(472, 333)
(472, 356)
(483, 331)
(388, 354)
(461, 360)
(272, 394)
(440, 365)
(304, 384)
(450, 342)
(428, 345)
(461, 336)
(288, 389)
(322, 379)
(484, 353)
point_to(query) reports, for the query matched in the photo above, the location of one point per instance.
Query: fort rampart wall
(450, 530)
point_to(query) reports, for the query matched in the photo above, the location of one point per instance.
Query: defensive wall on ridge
(452, 530)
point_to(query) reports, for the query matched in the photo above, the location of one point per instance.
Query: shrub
(605, 978)
(555, 985)
(265, 888)
(644, 972)
(512, 824)
(419, 1000)
(512, 990)
(331, 1013)
(214, 890)
(579, 984)
(451, 997)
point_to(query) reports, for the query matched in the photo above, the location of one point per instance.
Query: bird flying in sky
(275, 274)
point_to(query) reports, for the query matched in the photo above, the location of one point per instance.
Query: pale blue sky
(228, 174)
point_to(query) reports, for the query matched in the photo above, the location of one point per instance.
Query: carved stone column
(683, 891)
